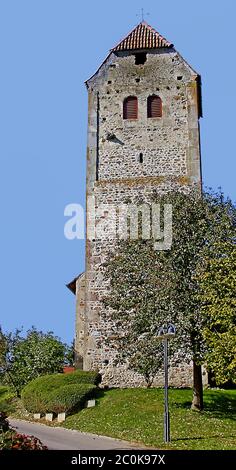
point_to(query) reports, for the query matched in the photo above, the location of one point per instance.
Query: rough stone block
(37, 415)
(90, 403)
(61, 417)
(49, 416)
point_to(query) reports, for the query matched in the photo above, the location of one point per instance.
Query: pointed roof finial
(142, 14)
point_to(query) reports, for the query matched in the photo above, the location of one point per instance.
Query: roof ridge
(142, 36)
(131, 31)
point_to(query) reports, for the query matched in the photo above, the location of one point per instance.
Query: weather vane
(142, 14)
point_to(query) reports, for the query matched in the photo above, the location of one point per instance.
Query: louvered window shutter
(130, 108)
(154, 107)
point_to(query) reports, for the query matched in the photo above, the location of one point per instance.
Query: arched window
(154, 107)
(130, 108)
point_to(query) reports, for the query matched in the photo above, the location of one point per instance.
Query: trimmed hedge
(50, 381)
(63, 399)
(82, 377)
(69, 397)
(59, 392)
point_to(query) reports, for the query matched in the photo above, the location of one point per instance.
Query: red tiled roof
(143, 36)
(68, 369)
(72, 284)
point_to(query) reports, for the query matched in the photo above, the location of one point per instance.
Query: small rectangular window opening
(140, 58)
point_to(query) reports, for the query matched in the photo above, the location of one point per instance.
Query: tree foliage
(218, 298)
(3, 348)
(149, 288)
(25, 358)
(70, 354)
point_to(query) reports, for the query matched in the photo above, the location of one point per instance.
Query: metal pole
(166, 413)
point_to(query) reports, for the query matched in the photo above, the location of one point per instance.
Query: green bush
(6, 399)
(69, 397)
(63, 399)
(50, 381)
(3, 391)
(12, 440)
(82, 377)
(59, 392)
(6, 393)
(4, 423)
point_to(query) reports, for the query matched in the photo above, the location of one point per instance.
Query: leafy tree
(70, 355)
(27, 358)
(146, 357)
(149, 288)
(3, 345)
(8, 342)
(218, 297)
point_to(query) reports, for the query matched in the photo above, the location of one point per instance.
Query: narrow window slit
(141, 158)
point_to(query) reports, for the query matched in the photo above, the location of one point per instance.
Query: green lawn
(137, 415)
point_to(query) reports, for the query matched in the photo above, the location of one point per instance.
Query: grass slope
(137, 415)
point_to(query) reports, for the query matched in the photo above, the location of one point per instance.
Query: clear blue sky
(48, 48)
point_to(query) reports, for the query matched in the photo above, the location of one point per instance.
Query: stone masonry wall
(171, 159)
(80, 324)
(163, 141)
(99, 328)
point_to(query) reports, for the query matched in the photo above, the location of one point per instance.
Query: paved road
(66, 439)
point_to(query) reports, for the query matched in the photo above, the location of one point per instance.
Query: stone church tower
(144, 104)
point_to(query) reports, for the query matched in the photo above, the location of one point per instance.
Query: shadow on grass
(216, 405)
(221, 405)
(202, 438)
(99, 393)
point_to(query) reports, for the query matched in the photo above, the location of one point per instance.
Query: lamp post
(166, 332)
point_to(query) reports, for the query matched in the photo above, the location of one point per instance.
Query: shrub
(58, 400)
(59, 392)
(12, 440)
(6, 393)
(4, 424)
(15, 441)
(82, 377)
(50, 381)
(69, 397)
(4, 390)
(6, 399)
